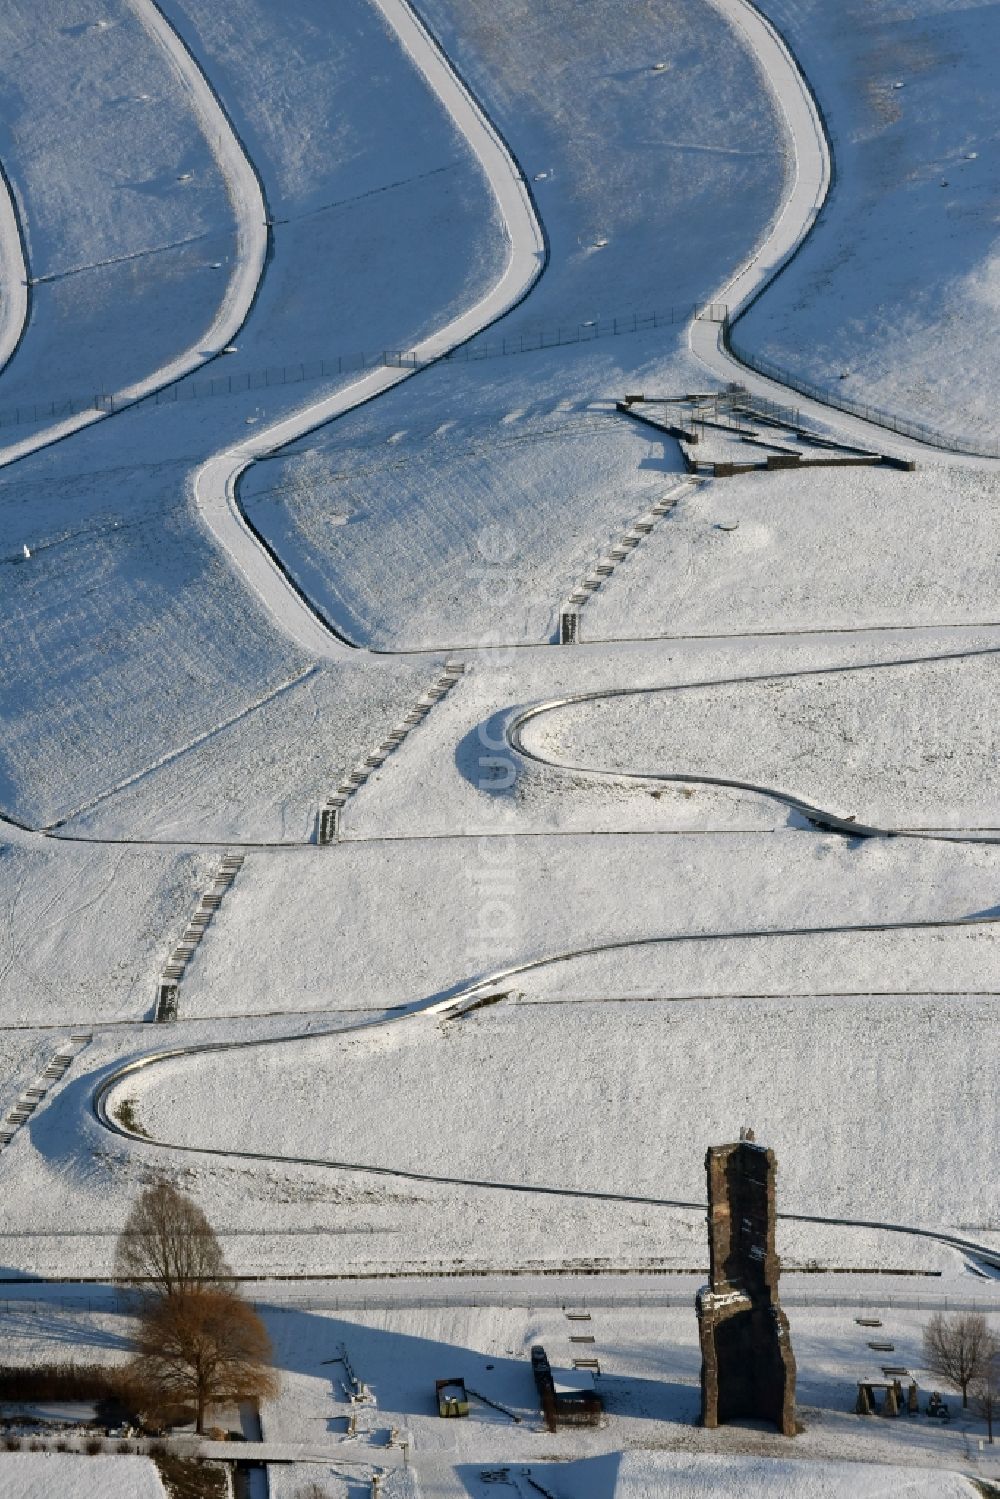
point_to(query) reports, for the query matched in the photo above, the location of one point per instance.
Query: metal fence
(571, 1295)
(313, 371)
(919, 431)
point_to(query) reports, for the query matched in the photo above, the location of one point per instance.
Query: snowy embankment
(143, 261)
(912, 109)
(461, 772)
(87, 929)
(24, 1055)
(476, 495)
(132, 636)
(126, 640)
(262, 778)
(825, 550)
(417, 919)
(215, 484)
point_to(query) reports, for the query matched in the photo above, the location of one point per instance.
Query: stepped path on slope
(520, 720)
(217, 481)
(217, 498)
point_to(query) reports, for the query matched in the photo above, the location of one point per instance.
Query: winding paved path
(14, 293)
(216, 482)
(818, 816)
(216, 495)
(812, 175)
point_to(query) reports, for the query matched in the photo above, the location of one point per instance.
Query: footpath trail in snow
(14, 299)
(216, 482)
(250, 214)
(216, 494)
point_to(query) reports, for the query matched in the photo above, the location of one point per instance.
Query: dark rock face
(747, 1364)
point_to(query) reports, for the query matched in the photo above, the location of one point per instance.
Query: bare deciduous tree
(168, 1245)
(959, 1349)
(203, 1348)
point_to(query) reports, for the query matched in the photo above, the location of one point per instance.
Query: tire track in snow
(246, 196)
(103, 1100)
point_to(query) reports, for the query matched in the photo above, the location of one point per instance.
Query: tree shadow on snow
(586, 1478)
(485, 760)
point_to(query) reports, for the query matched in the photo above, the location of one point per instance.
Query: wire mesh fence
(314, 371)
(919, 431)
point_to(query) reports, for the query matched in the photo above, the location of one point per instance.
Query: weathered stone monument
(747, 1364)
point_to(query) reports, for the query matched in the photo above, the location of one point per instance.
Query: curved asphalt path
(812, 176)
(215, 485)
(15, 293)
(215, 489)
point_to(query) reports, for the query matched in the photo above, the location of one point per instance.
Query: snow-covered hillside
(129, 638)
(431, 979)
(518, 464)
(124, 196)
(892, 300)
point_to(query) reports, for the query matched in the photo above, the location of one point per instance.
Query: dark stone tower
(747, 1364)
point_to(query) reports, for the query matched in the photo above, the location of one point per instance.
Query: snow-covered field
(824, 550)
(666, 961)
(262, 777)
(36, 1475)
(623, 1108)
(907, 745)
(128, 638)
(415, 919)
(86, 929)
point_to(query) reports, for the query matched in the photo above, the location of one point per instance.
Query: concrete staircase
(328, 820)
(29, 1101)
(168, 987)
(569, 612)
